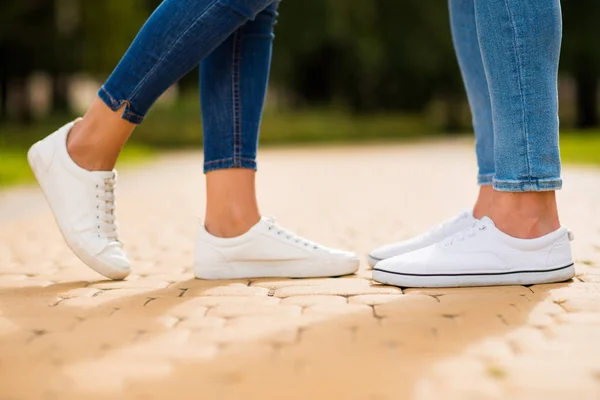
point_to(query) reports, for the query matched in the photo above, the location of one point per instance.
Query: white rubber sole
(521, 277)
(281, 269)
(103, 269)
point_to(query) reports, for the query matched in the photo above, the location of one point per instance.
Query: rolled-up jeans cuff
(532, 185)
(231, 162)
(115, 104)
(485, 179)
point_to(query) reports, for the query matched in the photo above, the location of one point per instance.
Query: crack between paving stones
(436, 297)
(149, 300)
(502, 319)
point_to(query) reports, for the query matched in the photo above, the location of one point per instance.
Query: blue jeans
(232, 42)
(508, 52)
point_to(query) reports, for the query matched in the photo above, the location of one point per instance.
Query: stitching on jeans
(237, 110)
(528, 186)
(127, 113)
(520, 75)
(532, 181)
(112, 99)
(230, 159)
(176, 42)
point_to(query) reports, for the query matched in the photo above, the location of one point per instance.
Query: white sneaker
(448, 228)
(83, 203)
(268, 250)
(482, 256)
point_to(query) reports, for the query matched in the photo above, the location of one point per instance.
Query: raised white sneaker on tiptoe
(83, 203)
(268, 250)
(482, 256)
(448, 228)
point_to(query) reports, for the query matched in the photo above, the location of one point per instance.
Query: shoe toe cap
(113, 263)
(411, 263)
(393, 250)
(346, 260)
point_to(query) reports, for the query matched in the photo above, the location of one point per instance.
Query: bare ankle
(231, 205)
(96, 140)
(230, 225)
(483, 205)
(525, 215)
(86, 153)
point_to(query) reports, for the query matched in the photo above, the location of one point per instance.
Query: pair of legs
(508, 52)
(232, 42)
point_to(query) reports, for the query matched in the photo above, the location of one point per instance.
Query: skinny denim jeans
(508, 52)
(232, 41)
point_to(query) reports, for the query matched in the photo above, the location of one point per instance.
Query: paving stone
(373, 299)
(229, 290)
(214, 301)
(240, 310)
(335, 290)
(306, 301)
(271, 283)
(161, 333)
(337, 309)
(202, 322)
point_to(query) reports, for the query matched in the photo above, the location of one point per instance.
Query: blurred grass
(178, 126)
(15, 169)
(580, 147)
(15, 140)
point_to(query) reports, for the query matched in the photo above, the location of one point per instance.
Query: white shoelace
(465, 234)
(105, 209)
(273, 226)
(445, 224)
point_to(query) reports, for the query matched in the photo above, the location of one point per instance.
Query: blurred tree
(66, 51)
(25, 44)
(581, 56)
(381, 54)
(108, 28)
(364, 56)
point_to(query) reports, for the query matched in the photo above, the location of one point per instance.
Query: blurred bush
(379, 56)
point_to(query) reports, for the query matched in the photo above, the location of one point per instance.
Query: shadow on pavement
(144, 346)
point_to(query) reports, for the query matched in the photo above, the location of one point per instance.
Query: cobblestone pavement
(66, 334)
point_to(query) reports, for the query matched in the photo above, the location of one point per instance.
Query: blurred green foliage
(361, 56)
(178, 126)
(343, 70)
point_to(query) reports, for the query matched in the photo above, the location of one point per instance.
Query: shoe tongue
(487, 221)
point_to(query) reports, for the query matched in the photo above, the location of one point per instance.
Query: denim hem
(534, 185)
(485, 179)
(115, 105)
(227, 163)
